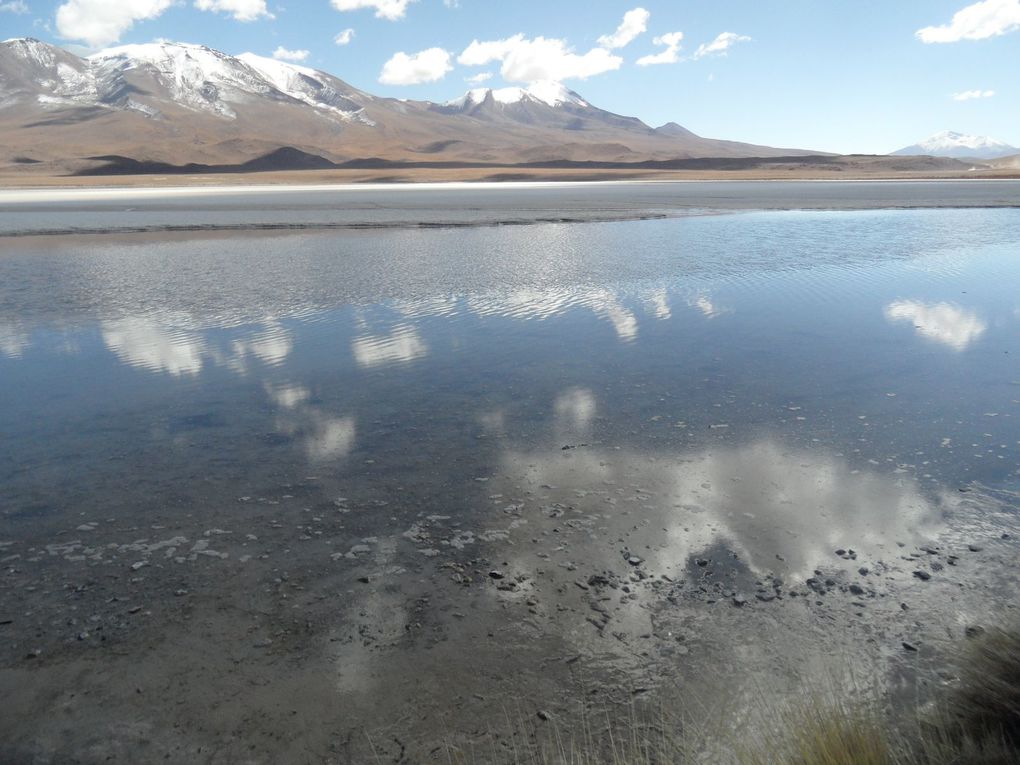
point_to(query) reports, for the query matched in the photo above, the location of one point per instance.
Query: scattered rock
(924, 576)
(909, 646)
(496, 574)
(975, 548)
(739, 600)
(544, 715)
(856, 589)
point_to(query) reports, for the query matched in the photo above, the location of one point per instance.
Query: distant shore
(870, 170)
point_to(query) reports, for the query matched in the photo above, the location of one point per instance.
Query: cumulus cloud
(530, 60)
(990, 18)
(634, 23)
(970, 95)
(384, 9)
(720, 45)
(282, 54)
(668, 56)
(101, 22)
(479, 78)
(425, 66)
(345, 37)
(242, 10)
(16, 6)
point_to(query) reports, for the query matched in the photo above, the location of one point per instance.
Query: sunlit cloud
(942, 322)
(720, 46)
(668, 56)
(344, 38)
(970, 95)
(425, 66)
(242, 10)
(531, 60)
(384, 9)
(990, 18)
(18, 7)
(282, 54)
(101, 22)
(634, 23)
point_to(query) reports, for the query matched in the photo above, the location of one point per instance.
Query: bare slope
(177, 104)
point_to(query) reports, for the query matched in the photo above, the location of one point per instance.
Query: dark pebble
(924, 576)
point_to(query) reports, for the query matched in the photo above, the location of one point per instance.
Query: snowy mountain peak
(949, 143)
(545, 91)
(201, 78)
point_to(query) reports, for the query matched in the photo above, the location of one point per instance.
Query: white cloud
(720, 45)
(670, 55)
(384, 9)
(634, 23)
(15, 6)
(282, 54)
(101, 22)
(345, 37)
(990, 18)
(425, 66)
(530, 60)
(479, 78)
(970, 95)
(242, 10)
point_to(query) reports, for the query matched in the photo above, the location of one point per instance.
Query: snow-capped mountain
(951, 144)
(545, 92)
(546, 103)
(172, 104)
(146, 77)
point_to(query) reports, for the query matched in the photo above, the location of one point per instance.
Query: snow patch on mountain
(952, 144)
(546, 92)
(196, 76)
(309, 86)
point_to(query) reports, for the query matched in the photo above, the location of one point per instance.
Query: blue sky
(836, 75)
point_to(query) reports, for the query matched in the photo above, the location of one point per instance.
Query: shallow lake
(375, 479)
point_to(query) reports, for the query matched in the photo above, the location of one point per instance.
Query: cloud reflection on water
(760, 500)
(402, 345)
(13, 341)
(942, 322)
(182, 351)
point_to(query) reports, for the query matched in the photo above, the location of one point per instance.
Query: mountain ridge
(948, 143)
(180, 103)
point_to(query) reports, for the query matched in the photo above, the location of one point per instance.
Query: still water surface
(346, 431)
(885, 335)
